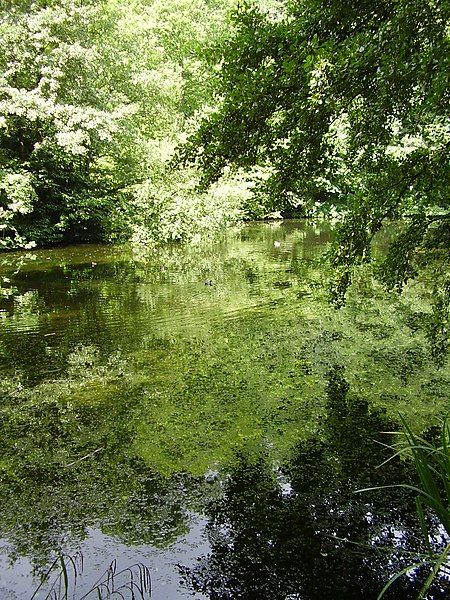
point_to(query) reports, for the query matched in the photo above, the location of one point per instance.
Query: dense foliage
(345, 102)
(134, 395)
(93, 96)
(66, 115)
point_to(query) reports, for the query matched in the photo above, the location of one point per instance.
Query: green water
(175, 406)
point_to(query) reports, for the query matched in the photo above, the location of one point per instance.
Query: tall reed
(60, 581)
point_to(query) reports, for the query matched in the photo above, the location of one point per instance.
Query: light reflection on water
(98, 551)
(109, 296)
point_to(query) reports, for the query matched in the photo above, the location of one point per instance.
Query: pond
(203, 410)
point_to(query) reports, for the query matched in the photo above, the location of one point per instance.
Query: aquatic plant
(61, 579)
(431, 459)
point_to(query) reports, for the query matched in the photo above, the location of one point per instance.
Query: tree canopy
(333, 97)
(344, 103)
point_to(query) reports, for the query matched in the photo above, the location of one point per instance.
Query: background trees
(66, 120)
(93, 96)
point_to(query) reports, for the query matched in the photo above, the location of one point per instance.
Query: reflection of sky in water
(99, 550)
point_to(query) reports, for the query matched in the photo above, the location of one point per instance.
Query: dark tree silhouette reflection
(300, 531)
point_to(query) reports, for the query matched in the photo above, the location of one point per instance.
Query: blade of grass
(397, 576)
(436, 568)
(423, 525)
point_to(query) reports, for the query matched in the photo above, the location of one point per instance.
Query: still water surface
(203, 410)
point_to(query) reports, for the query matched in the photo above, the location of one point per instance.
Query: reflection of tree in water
(281, 535)
(110, 297)
(51, 496)
(54, 513)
